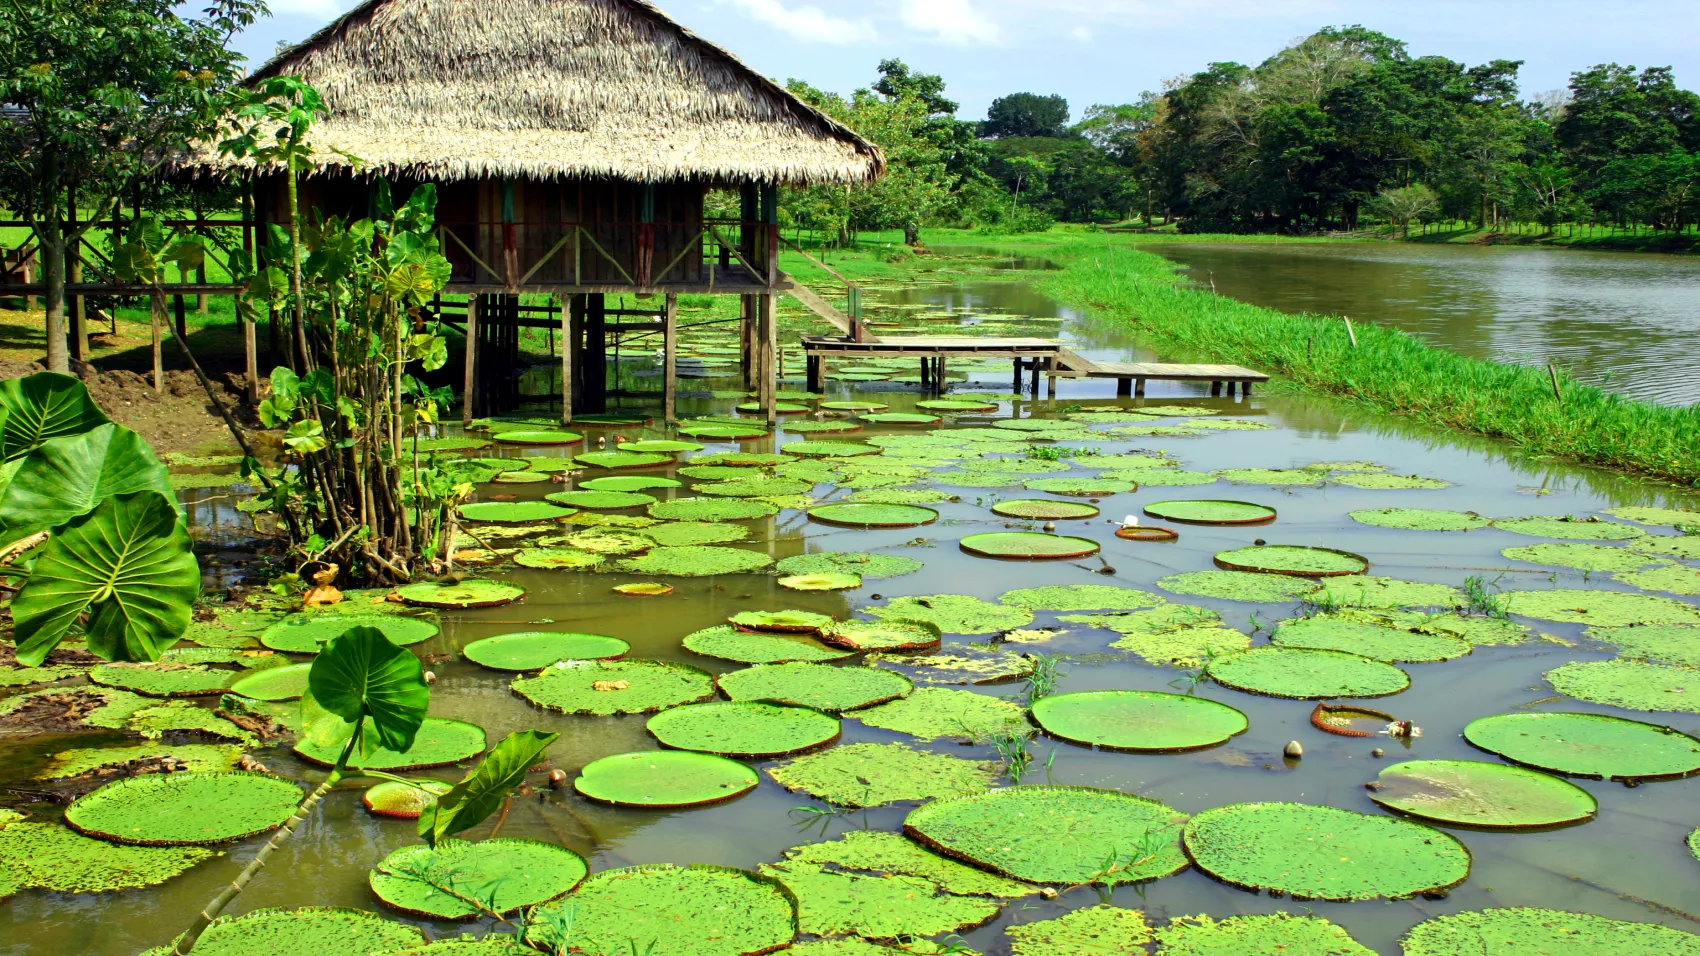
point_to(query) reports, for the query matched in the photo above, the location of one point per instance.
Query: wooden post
(767, 329)
(470, 382)
(669, 360)
(1215, 389)
(177, 309)
(596, 353)
(250, 347)
(1051, 377)
(1016, 387)
(746, 339)
(573, 349)
(943, 383)
(566, 368)
(156, 308)
(1139, 388)
(1033, 374)
(73, 274)
(812, 373)
(1124, 387)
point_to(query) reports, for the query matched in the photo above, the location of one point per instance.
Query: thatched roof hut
(549, 89)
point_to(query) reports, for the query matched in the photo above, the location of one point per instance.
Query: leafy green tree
(1616, 112)
(1406, 204)
(1026, 114)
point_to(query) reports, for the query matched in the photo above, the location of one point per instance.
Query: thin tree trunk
(53, 300)
(300, 323)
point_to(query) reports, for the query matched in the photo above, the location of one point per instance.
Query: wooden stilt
(596, 353)
(251, 356)
(470, 382)
(812, 374)
(943, 383)
(566, 368)
(1051, 378)
(669, 363)
(156, 309)
(1139, 388)
(1215, 389)
(1033, 376)
(180, 314)
(1016, 386)
(1124, 387)
(575, 345)
(767, 336)
(747, 339)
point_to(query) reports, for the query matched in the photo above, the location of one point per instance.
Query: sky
(1109, 51)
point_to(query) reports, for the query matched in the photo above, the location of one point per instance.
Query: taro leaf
(44, 406)
(362, 674)
(128, 563)
(70, 475)
(483, 789)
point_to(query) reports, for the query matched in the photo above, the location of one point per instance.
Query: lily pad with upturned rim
(406, 801)
(785, 622)
(1136, 720)
(698, 910)
(1306, 674)
(629, 483)
(440, 742)
(1044, 509)
(729, 643)
(893, 635)
(933, 712)
(1477, 793)
(521, 436)
(274, 683)
(1420, 519)
(853, 515)
(474, 593)
(504, 874)
(569, 687)
(173, 809)
(306, 931)
(1081, 597)
(1296, 560)
(748, 729)
(1027, 546)
(514, 512)
(1632, 685)
(1547, 932)
(697, 561)
(1222, 512)
(821, 581)
(613, 460)
(868, 775)
(1267, 933)
(875, 566)
(758, 487)
(820, 686)
(530, 650)
(664, 779)
(308, 633)
(711, 509)
(1101, 930)
(643, 589)
(1239, 586)
(954, 613)
(1600, 608)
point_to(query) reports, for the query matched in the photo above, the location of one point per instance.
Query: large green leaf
(43, 406)
(69, 475)
(128, 563)
(483, 790)
(363, 675)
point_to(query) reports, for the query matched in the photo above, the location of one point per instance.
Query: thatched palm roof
(455, 89)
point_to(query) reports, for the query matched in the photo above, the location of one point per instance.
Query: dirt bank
(176, 418)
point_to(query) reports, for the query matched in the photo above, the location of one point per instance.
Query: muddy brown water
(1630, 863)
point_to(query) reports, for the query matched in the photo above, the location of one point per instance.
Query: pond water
(1629, 863)
(1624, 321)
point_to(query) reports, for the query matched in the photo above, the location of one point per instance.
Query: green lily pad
(1043, 509)
(1239, 586)
(893, 635)
(612, 420)
(164, 680)
(669, 910)
(628, 483)
(1178, 635)
(530, 650)
(678, 534)
(520, 477)
(1211, 512)
(1137, 720)
(1270, 933)
(667, 445)
(25, 676)
(1096, 487)
(828, 449)
(1548, 932)
(854, 515)
(779, 408)
(274, 683)
(1366, 639)
(1312, 852)
(440, 742)
(558, 559)
(623, 459)
(513, 512)
(711, 509)
(1386, 482)
(522, 436)
(502, 873)
(821, 581)
(729, 643)
(1674, 517)
(902, 496)
(1160, 477)
(1017, 466)
(817, 427)
(1685, 547)
(743, 728)
(475, 593)
(854, 406)
(934, 712)
(1080, 597)
(1420, 519)
(979, 479)
(820, 686)
(1573, 528)
(664, 778)
(308, 633)
(722, 431)
(868, 775)
(1290, 559)
(1362, 591)
(901, 418)
(73, 763)
(569, 687)
(643, 589)
(871, 566)
(1059, 835)
(1632, 685)
(307, 931)
(1479, 794)
(1306, 674)
(1661, 644)
(1270, 476)
(403, 801)
(715, 472)
(830, 902)
(954, 613)
(61, 860)
(789, 622)
(697, 561)
(602, 500)
(875, 851)
(1582, 557)
(1102, 930)
(1600, 608)
(605, 541)
(173, 809)
(956, 405)
(755, 487)
(1027, 546)
(1673, 579)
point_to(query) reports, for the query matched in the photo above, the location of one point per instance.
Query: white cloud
(804, 23)
(1080, 34)
(952, 21)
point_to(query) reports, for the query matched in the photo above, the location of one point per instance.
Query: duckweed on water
(502, 873)
(570, 687)
(1306, 674)
(697, 910)
(1480, 794)
(1081, 597)
(170, 809)
(933, 712)
(696, 562)
(1102, 930)
(1268, 933)
(868, 775)
(1137, 720)
(1686, 547)
(308, 931)
(729, 643)
(1632, 685)
(954, 613)
(820, 686)
(1420, 519)
(1238, 586)
(831, 902)
(53, 858)
(1549, 932)
(530, 650)
(440, 742)
(664, 779)
(1600, 608)
(743, 728)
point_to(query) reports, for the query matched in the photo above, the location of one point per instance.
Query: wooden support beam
(1033, 374)
(596, 353)
(1051, 377)
(470, 384)
(944, 383)
(669, 361)
(575, 346)
(813, 379)
(178, 311)
(1016, 387)
(1215, 389)
(1139, 388)
(1124, 387)
(767, 340)
(747, 338)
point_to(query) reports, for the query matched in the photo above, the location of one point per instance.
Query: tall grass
(1388, 371)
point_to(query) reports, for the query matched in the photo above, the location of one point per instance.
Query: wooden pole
(1350, 333)
(471, 378)
(669, 365)
(746, 339)
(74, 273)
(156, 309)
(766, 339)
(250, 344)
(566, 366)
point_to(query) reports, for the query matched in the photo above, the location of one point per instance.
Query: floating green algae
(1207, 511)
(1311, 852)
(464, 594)
(171, 809)
(1060, 835)
(1362, 591)
(1632, 685)
(1672, 579)
(957, 665)
(664, 778)
(1386, 482)
(876, 851)
(1160, 477)
(821, 581)
(711, 509)
(1043, 509)
(1101, 930)
(1269, 934)
(1659, 643)
(954, 613)
(406, 801)
(743, 728)
(1270, 476)
(868, 775)
(729, 643)
(820, 686)
(73, 763)
(1137, 720)
(558, 559)
(513, 512)
(1673, 517)
(1547, 932)
(755, 487)
(667, 910)
(1600, 608)
(786, 622)
(530, 650)
(696, 561)
(1307, 675)
(308, 633)
(164, 680)
(1168, 635)
(933, 712)
(1480, 794)
(1295, 560)
(570, 687)
(872, 566)
(830, 902)
(854, 515)
(1326, 632)
(1239, 586)
(1582, 557)
(1027, 546)
(1096, 487)
(438, 743)
(1569, 527)
(274, 683)
(623, 459)
(1420, 519)
(60, 860)
(307, 931)
(1081, 597)
(602, 500)
(882, 635)
(503, 874)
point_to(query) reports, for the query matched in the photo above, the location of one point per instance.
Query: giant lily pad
(721, 431)
(178, 809)
(1304, 674)
(755, 487)
(829, 449)
(679, 534)
(274, 683)
(1368, 639)
(1161, 477)
(1295, 560)
(821, 581)
(1547, 932)
(308, 633)
(604, 688)
(524, 436)
(697, 561)
(473, 593)
(831, 902)
(711, 509)
(440, 742)
(1080, 597)
(602, 541)
(530, 650)
(1211, 512)
(729, 643)
(954, 613)
(674, 910)
(1571, 528)
(558, 559)
(502, 874)
(867, 775)
(853, 515)
(876, 851)
(664, 778)
(60, 860)
(1632, 685)
(513, 512)
(623, 459)
(308, 931)
(933, 712)
(1027, 545)
(1420, 519)
(627, 483)
(1060, 835)
(820, 686)
(74, 763)
(164, 680)
(602, 500)
(668, 445)
(1312, 852)
(882, 635)
(1600, 608)
(871, 566)
(1355, 590)
(1582, 557)
(1386, 482)
(1479, 794)
(1673, 578)
(1102, 930)
(1238, 586)
(1100, 486)
(1268, 933)
(785, 622)
(1169, 634)
(1662, 644)
(743, 728)
(1043, 509)
(1137, 720)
